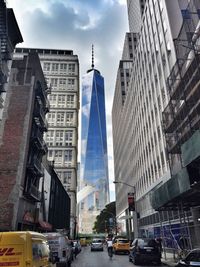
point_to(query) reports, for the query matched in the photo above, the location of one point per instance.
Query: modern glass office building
(94, 159)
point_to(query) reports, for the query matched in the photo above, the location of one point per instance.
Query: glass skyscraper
(94, 159)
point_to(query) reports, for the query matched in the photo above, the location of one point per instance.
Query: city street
(100, 259)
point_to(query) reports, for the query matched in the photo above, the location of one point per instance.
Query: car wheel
(158, 262)
(136, 261)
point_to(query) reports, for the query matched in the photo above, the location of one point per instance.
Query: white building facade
(140, 157)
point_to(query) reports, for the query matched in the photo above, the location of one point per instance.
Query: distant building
(61, 70)
(94, 158)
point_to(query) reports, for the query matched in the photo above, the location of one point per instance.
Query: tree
(106, 220)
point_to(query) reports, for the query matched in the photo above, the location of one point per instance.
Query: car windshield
(193, 256)
(97, 241)
(146, 242)
(123, 241)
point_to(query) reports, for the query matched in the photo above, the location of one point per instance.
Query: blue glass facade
(94, 159)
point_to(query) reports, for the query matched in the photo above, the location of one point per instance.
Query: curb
(169, 263)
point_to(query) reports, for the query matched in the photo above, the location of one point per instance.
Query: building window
(69, 118)
(68, 156)
(60, 118)
(63, 68)
(54, 82)
(58, 157)
(67, 176)
(68, 137)
(55, 67)
(70, 101)
(61, 101)
(52, 100)
(71, 67)
(71, 81)
(46, 67)
(50, 136)
(51, 118)
(59, 138)
(50, 154)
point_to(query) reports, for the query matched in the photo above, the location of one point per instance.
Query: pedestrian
(110, 246)
(76, 250)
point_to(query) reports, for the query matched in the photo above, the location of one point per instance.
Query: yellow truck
(24, 249)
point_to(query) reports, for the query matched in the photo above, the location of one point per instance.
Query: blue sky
(76, 25)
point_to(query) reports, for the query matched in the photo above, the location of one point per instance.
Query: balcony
(37, 138)
(35, 167)
(38, 141)
(33, 193)
(39, 115)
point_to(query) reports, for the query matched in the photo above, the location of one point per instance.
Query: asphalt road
(100, 259)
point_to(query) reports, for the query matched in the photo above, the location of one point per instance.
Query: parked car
(145, 250)
(191, 259)
(60, 248)
(97, 244)
(23, 249)
(121, 245)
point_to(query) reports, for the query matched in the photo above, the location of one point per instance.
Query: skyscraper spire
(92, 56)
(92, 66)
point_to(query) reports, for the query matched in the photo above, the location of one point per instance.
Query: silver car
(97, 244)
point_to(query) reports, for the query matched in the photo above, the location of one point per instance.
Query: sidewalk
(170, 261)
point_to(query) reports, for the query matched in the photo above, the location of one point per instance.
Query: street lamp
(135, 216)
(120, 182)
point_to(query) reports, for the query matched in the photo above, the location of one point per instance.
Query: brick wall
(13, 150)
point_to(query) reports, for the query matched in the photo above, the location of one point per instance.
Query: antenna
(92, 56)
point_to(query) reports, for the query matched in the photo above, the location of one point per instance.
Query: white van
(60, 249)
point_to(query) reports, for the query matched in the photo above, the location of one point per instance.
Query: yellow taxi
(121, 245)
(23, 249)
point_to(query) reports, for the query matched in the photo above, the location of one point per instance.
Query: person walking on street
(110, 247)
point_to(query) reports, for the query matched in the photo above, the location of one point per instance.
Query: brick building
(21, 145)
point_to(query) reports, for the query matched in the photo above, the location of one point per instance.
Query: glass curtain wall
(94, 159)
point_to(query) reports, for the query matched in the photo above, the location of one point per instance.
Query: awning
(176, 190)
(45, 225)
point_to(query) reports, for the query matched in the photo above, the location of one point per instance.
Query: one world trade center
(94, 158)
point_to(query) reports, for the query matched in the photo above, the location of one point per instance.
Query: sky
(76, 25)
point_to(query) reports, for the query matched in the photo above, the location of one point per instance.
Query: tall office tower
(135, 11)
(61, 70)
(94, 159)
(140, 156)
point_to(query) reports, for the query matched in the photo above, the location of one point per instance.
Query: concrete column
(196, 218)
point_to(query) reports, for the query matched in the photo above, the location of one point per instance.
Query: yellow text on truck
(24, 249)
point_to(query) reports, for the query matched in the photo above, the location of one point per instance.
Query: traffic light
(131, 201)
